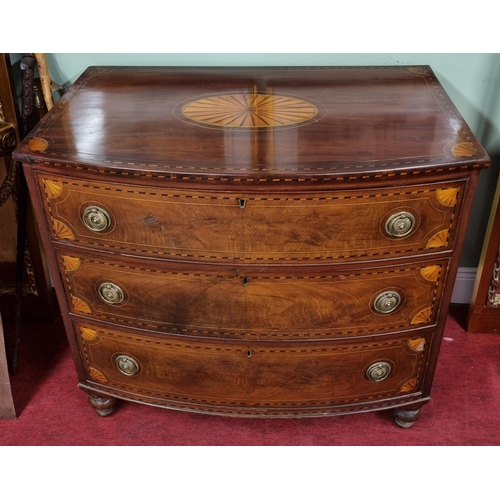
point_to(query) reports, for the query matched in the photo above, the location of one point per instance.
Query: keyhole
(249, 354)
(245, 281)
(242, 202)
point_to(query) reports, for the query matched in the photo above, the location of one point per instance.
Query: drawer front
(230, 377)
(221, 302)
(208, 226)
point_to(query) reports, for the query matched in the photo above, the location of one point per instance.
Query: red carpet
(51, 410)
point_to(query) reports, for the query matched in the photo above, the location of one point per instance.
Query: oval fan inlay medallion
(249, 110)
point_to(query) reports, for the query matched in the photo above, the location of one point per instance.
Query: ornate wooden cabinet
(484, 309)
(255, 241)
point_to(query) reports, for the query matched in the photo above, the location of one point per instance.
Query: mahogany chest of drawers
(272, 242)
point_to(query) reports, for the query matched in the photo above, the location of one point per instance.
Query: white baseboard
(464, 285)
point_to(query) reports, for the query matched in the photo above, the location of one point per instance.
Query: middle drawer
(220, 301)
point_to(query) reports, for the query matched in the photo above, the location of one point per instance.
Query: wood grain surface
(225, 302)
(372, 119)
(277, 227)
(239, 379)
(255, 241)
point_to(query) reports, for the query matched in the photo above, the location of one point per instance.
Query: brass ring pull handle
(378, 371)
(110, 293)
(96, 219)
(127, 365)
(387, 302)
(400, 224)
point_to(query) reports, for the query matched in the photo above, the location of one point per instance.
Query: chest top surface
(250, 122)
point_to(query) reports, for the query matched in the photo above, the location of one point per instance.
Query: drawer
(217, 301)
(245, 227)
(239, 378)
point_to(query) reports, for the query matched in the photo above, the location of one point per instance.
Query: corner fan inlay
(71, 263)
(37, 145)
(53, 188)
(88, 334)
(249, 110)
(62, 231)
(97, 375)
(463, 149)
(80, 306)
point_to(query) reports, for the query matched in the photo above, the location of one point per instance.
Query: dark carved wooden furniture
(274, 242)
(484, 309)
(24, 277)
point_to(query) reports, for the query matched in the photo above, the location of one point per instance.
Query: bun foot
(103, 406)
(406, 418)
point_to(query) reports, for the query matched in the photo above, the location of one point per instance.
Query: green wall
(471, 80)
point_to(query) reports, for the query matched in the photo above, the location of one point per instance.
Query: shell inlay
(409, 386)
(37, 145)
(423, 316)
(71, 263)
(62, 231)
(440, 239)
(88, 334)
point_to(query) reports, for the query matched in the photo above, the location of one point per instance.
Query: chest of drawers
(254, 241)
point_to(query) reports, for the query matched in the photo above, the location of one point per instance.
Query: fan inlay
(249, 110)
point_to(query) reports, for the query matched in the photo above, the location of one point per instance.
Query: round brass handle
(96, 219)
(110, 293)
(400, 224)
(378, 371)
(127, 365)
(387, 302)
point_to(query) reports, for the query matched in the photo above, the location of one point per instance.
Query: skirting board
(464, 285)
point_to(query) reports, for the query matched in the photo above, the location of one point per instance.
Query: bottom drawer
(251, 379)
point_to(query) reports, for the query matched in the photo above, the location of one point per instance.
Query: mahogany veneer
(255, 241)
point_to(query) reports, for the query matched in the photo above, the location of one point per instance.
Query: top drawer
(273, 227)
